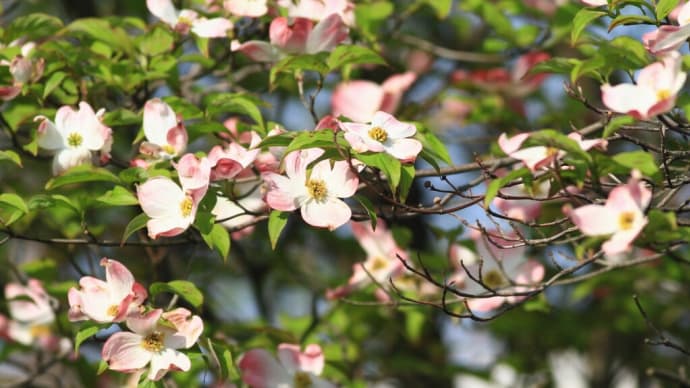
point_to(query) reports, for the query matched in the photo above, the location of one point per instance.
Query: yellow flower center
(40, 331)
(302, 380)
(168, 149)
(113, 310)
(74, 139)
(317, 189)
(153, 342)
(493, 278)
(377, 264)
(626, 220)
(663, 94)
(379, 134)
(186, 206)
(551, 151)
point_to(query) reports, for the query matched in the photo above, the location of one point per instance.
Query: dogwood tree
(322, 193)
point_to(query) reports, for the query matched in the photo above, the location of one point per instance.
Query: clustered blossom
(539, 157)
(621, 217)
(185, 20)
(293, 368)
(74, 136)
(382, 262)
(297, 36)
(31, 317)
(317, 193)
(384, 134)
(165, 133)
(654, 93)
(111, 300)
(359, 100)
(668, 38)
(156, 335)
(23, 68)
(497, 266)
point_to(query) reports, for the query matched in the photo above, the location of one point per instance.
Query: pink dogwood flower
(298, 36)
(538, 157)
(293, 368)
(622, 216)
(384, 134)
(506, 270)
(655, 92)
(185, 20)
(382, 261)
(319, 9)
(594, 3)
(106, 301)
(228, 162)
(317, 194)
(74, 136)
(31, 313)
(359, 100)
(250, 8)
(194, 174)
(154, 343)
(171, 208)
(165, 133)
(669, 38)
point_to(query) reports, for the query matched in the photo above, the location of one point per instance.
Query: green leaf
(185, 289)
(433, 145)
(218, 239)
(11, 156)
(664, 7)
(12, 208)
(616, 123)
(353, 55)
(407, 174)
(276, 222)
(135, 224)
(640, 160)
(369, 207)
(44, 201)
(53, 81)
(118, 196)
(183, 107)
(555, 65)
(555, 139)
(371, 16)
(32, 27)
(158, 41)
(626, 20)
(237, 103)
(121, 117)
(311, 139)
(582, 19)
(497, 184)
(298, 63)
(101, 30)
(84, 334)
(81, 174)
(102, 367)
(389, 165)
(442, 7)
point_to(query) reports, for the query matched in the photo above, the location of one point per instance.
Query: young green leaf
(185, 289)
(276, 222)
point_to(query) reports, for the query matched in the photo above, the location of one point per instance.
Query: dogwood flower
(194, 174)
(594, 3)
(507, 270)
(669, 38)
(165, 133)
(382, 261)
(622, 216)
(31, 313)
(384, 134)
(250, 8)
(316, 194)
(292, 369)
(153, 342)
(106, 301)
(172, 209)
(297, 36)
(186, 19)
(359, 100)
(538, 157)
(319, 9)
(229, 161)
(655, 92)
(74, 136)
